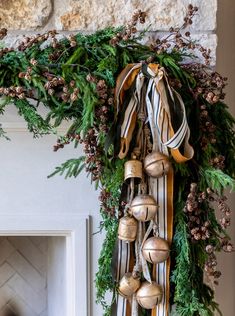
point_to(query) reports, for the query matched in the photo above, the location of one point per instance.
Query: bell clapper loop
(132, 188)
(149, 186)
(155, 228)
(138, 266)
(147, 136)
(143, 187)
(126, 210)
(133, 156)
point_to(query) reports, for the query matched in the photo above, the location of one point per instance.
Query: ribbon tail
(134, 306)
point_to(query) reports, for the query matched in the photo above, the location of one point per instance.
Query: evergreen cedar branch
(74, 79)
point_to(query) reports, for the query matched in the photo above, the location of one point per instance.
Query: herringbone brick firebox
(23, 275)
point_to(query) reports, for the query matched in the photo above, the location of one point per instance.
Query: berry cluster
(202, 229)
(105, 199)
(207, 128)
(52, 83)
(106, 100)
(36, 39)
(210, 84)
(130, 28)
(3, 33)
(199, 228)
(72, 40)
(226, 245)
(223, 207)
(218, 162)
(26, 75)
(13, 92)
(211, 264)
(65, 140)
(5, 50)
(93, 154)
(177, 41)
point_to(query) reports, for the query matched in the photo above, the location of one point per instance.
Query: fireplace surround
(67, 240)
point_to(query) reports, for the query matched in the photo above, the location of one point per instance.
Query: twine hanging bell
(127, 228)
(128, 285)
(149, 295)
(155, 250)
(156, 164)
(143, 207)
(133, 169)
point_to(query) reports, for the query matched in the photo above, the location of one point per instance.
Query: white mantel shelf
(22, 127)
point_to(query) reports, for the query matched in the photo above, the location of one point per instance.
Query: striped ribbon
(123, 267)
(167, 119)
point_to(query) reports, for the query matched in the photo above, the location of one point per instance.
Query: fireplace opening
(32, 275)
(45, 264)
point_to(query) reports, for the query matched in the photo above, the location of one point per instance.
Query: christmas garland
(74, 78)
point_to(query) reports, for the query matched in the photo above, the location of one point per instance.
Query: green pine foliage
(95, 56)
(216, 179)
(191, 295)
(70, 168)
(104, 280)
(36, 124)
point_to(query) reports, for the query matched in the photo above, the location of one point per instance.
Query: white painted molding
(22, 127)
(76, 229)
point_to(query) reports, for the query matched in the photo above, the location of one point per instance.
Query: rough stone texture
(24, 14)
(90, 15)
(162, 14)
(206, 40)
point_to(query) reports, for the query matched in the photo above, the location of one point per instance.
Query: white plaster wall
(24, 188)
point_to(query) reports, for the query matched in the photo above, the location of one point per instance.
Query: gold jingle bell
(149, 295)
(156, 164)
(133, 169)
(128, 285)
(144, 207)
(127, 228)
(156, 250)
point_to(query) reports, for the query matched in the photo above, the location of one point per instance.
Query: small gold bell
(133, 169)
(156, 164)
(155, 250)
(128, 285)
(149, 295)
(127, 228)
(143, 207)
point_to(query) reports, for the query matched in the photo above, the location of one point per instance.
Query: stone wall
(27, 16)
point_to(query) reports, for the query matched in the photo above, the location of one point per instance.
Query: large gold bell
(155, 250)
(128, 285)
(149, 295)
(156, 164)
(127, 228)
(133, 169)
(144, 207)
